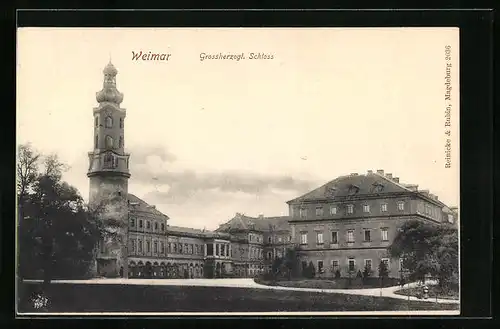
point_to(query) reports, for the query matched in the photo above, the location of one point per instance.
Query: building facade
(344, 225)
(349, 223)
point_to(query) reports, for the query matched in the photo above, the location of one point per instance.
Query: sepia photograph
(237, 171)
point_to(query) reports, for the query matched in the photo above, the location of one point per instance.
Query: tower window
(109, 142)
(121, 122)
(96, 121)
(109, 122)
(120, 142)
(96, 141)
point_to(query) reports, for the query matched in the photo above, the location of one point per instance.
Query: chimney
(396, 179)
(425, 192)
(454, 209)
(261, 216)
(380, 172)
(370, 171)
(354, 174)
(412, 187)
(388, 175)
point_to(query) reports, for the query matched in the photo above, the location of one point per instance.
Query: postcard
(237, 171)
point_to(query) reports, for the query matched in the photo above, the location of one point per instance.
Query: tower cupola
(109, 93)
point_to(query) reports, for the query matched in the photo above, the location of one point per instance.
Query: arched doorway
(217, 270)
(156, 270)
(148, 270)
(163, 272)
(191, 271)
(196, 271)
(131, 269)
(169, 271)
(140, 269)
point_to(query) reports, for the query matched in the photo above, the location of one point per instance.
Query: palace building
(345, 224)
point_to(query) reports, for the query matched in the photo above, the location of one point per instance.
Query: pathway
(250, 283)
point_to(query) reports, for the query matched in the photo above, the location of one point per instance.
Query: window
(155, 246)
(190, 249)
(335, 237)
(174, 247)
(350, 236)
(109, 160)
(319, 238)
(303, 238)
(450, 218)
(217, 250)
(269, 255)
(279, 239)
(162, 247)
(180, 248)
(368, 264)
(96, 142)
(121, 122)
(120, 142)
(383, 207)
(269, 239)
(140, 223)
(148, 246)
(132, 245)
(350, 208)
(367, 236)
(109, 122)
(401, 205)
(352, 264)
(148, 224)
(366, 208)
(163, 226)
(109, 142)
(319, 211)
(335, 265)
(96, 121)
(320, 266)
(132, 221)
(386, 262)
(156, 226)
(303, 212)
(333, 210)
(401, 264)
(140, 245)
(384, 234)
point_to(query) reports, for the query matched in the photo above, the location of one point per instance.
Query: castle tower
(109, 173)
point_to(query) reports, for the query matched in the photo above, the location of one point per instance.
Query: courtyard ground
(213, 295)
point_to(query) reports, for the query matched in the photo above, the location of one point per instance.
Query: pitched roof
(243, 222)
(353, 184)
(358, 185)
(141, 205)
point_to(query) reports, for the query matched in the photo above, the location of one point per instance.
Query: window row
(279, 239)
(108, 122)
(350, 236)
(109, 142)
(148, 224)
(349, 209)
(161, 248)
(351, 265)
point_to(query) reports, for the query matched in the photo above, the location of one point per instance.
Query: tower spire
(109, 93)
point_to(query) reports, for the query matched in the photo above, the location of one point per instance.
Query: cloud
(188, 183)
(140, 155)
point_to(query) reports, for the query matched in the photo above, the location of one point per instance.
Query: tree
(311, 271)
(367, 271)
(57, 232)
(291, 262)
(427, 249)
(383, 272)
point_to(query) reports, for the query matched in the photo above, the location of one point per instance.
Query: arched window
(109, 122)
(96, 121)
(120, 142)
(109, 142)
(109, 161)
(96, 141)
(121, 122)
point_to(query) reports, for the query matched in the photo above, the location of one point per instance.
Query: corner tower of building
(108, 170)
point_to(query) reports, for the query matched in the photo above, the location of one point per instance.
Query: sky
(211, 138)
